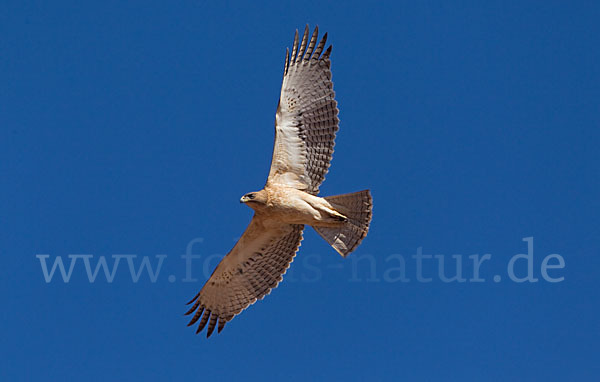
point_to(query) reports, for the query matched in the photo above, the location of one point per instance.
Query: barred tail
(357, 207)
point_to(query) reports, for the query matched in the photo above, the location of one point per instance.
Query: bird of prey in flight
(305, 126)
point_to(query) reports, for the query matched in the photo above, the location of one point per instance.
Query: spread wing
(306, 119)
(253, 267)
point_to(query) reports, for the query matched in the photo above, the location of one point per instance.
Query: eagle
(306, 123)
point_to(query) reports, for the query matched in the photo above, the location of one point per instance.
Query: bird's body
(305, 126)
(289, 205)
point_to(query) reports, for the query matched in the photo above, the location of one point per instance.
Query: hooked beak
(243, 199)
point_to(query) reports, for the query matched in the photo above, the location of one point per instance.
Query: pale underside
(305, 127)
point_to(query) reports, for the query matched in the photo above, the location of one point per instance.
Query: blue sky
(134, 128)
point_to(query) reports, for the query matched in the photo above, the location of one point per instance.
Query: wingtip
(303, 44)
(294, 48)
(209, 332)
(311, 45)
(193, 299)
(286, 65)
(190, 311)
(196, 317)
(221, 326)
(211, 325)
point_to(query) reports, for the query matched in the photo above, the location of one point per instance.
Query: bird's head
(254, 198)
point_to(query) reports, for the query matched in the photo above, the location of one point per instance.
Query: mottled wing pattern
(253, 267)
(306, 119)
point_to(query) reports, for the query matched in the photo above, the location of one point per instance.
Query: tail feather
(357, 207)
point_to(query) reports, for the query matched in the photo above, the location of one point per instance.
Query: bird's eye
(250, 196)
